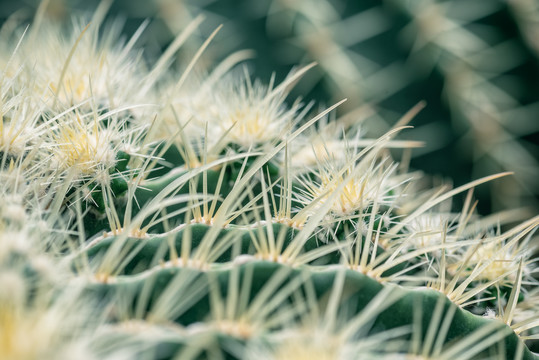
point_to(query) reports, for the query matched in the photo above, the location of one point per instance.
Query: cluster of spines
(216, 241)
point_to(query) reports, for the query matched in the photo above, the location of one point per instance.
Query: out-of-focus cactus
(474, 63)
(150, 213)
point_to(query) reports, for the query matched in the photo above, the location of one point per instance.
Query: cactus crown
(150, 214)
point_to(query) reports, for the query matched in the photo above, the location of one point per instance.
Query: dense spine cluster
(149, 213)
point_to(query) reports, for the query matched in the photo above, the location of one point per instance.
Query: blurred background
(475, 63)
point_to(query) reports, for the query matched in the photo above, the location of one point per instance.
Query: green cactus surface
(155, 209)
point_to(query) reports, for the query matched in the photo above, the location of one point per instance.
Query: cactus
(152, 213)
